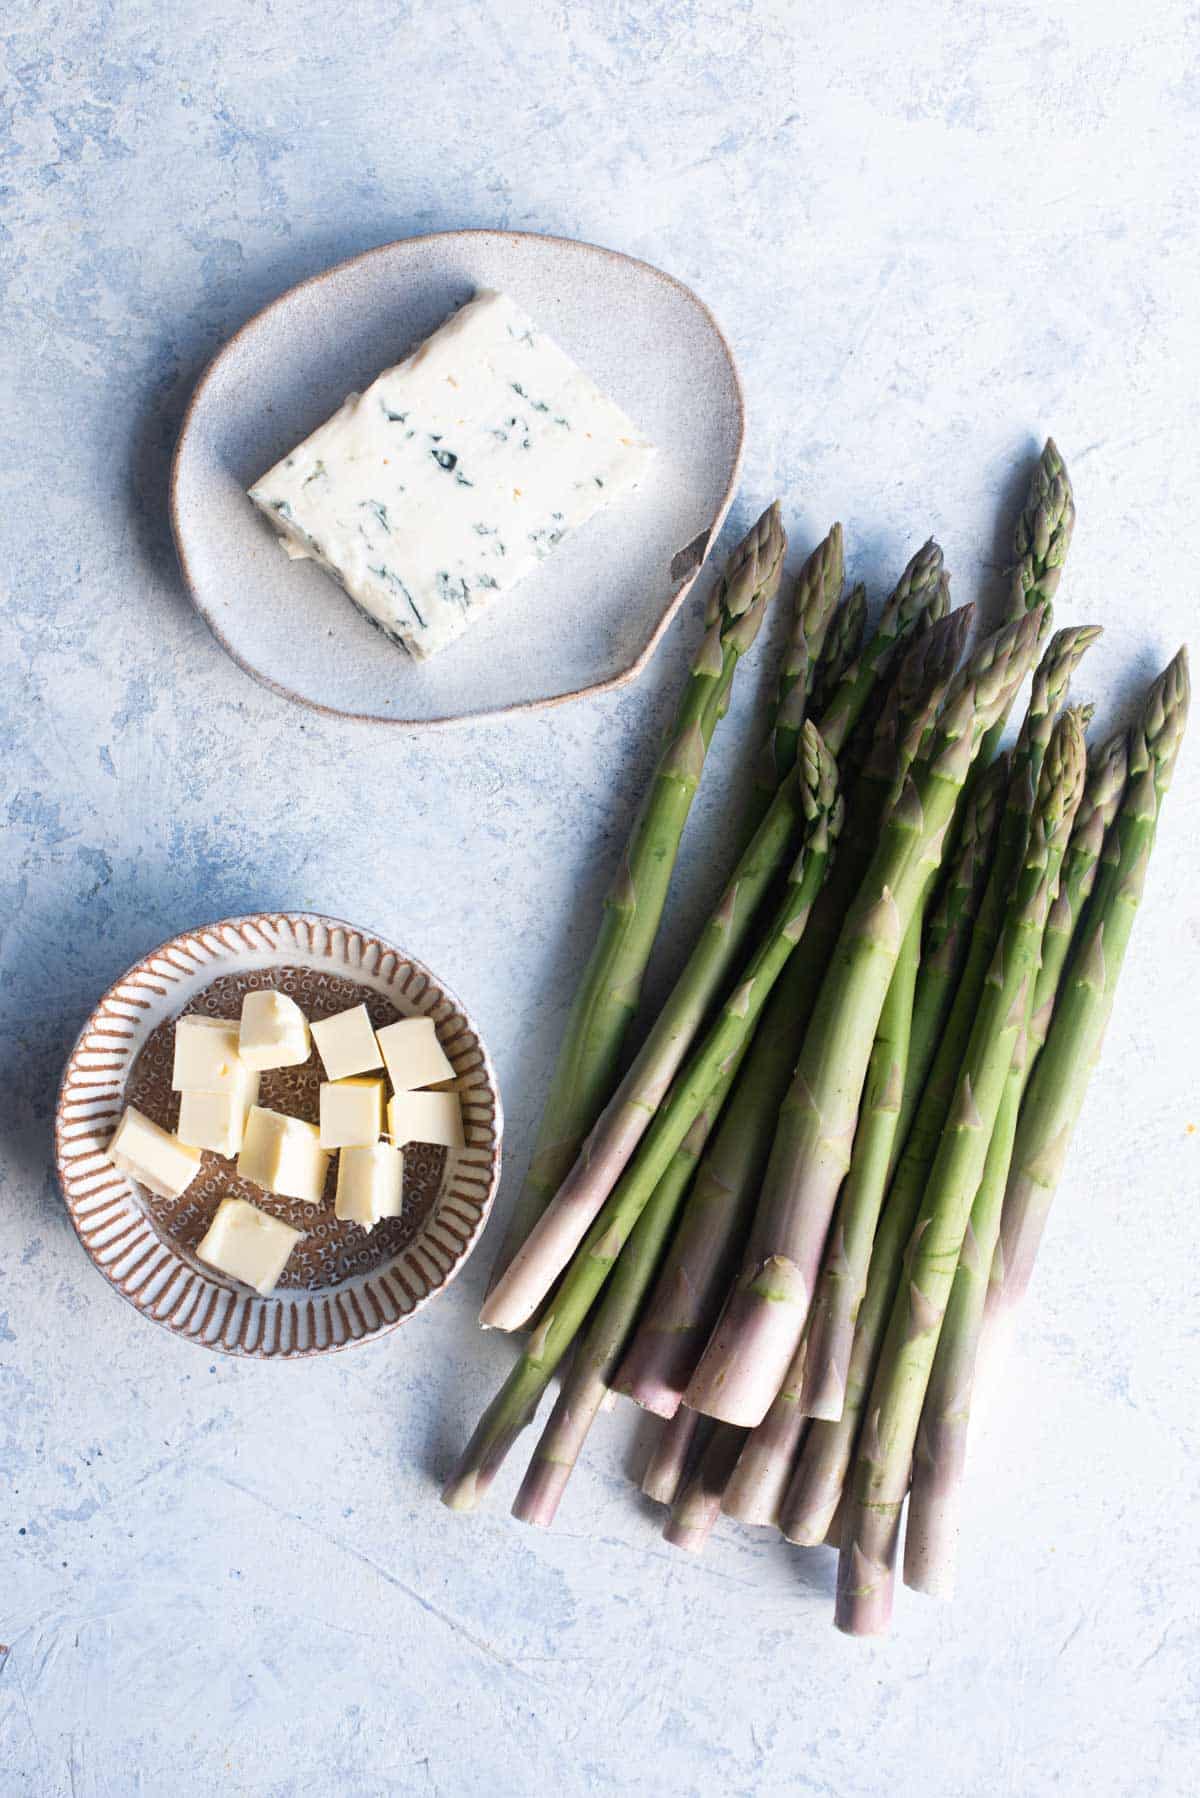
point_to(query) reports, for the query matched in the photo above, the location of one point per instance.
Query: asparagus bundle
(607, 996)
(558, 1232)
(746, 1361)
(1059, 1082)
(576, 1293)
(871, 1524)
(697, 1271)
(755, 1490)
(931, 1538)
(893, 1102)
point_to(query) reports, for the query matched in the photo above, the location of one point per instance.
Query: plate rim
(697, 551)
(243, 1297)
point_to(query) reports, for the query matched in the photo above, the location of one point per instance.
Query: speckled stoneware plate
(343, 1284)
(586, 621)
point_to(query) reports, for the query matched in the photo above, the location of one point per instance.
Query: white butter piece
(454, 474)
(273, 1031)
(214, 1121)
(351, 1113)
(283, 1155)
(370, 1184)
(346, 1044)
(426, 1117)
(412, 1054)
(152, 1155)
(207, 1058)
(248, 1245)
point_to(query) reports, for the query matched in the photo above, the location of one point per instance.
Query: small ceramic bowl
(342, 1284)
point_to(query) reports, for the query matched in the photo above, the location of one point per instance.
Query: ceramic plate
(586, 621)
(343, 1284)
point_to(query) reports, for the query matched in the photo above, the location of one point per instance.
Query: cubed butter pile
(216, 1069)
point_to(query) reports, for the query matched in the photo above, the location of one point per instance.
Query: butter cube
(412, 1054)
(370, 1184)
(215, 1120)
(426, 1117)
(346, 1044)
(274, 1031)
(284, 1155)
(152, 1155)
(246, 1244)
(206, 1056)
(351, 1113)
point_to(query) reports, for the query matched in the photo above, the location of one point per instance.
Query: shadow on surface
(67, 960)
(188, 348)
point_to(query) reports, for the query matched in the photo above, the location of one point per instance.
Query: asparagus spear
(608, 1328)
(843, 1277)
(698, 1267)
(842, 645)
(698, 1505)
(825, 1458)
(1043, 534)
(1102, 795)
(884, 1457)
(667, 1467)
(748, 1357)
(931, 1538)
(1059, 1081)
(1040, 544)
(608, 991)
(815, 598)
(583, 1280)
(949, 938)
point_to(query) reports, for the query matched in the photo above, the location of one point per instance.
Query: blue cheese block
(454, 474)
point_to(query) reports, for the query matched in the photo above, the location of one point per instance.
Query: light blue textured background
(933, 233)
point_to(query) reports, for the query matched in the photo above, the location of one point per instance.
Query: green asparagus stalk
(679, 1439)
(843, 1276)
(885, 1450)
(699, 1503)
(1059, 1081)
(581, 1284)
(842, 646)
(1040, 544)
(607, 996)
(949, 938)
(815, 599)
(931, 1538)
(699, 1264)
(1102, 795)
(748, 1357)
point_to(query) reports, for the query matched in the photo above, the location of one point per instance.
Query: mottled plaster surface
(932, 233)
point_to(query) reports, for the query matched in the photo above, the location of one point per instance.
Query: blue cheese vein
(454, 474)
